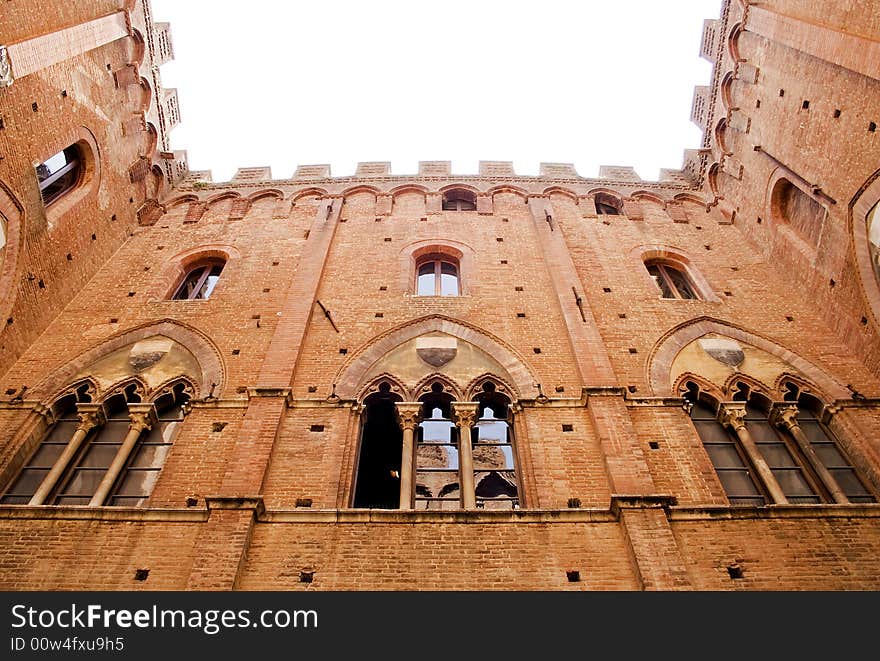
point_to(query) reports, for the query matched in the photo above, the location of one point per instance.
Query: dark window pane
(747, 502)
(61, 432)
(762, 432)
(814, 431)
(829, 455)
(27, 483)
(712, 432)
(680, 282)
(724, 456)
(99, 455)
(848, 482)
(777, 455)
(792, 482)
(73, 500)
(738, 483)
(83, 483)
(164, 431)
(46, 455)
(15, 500)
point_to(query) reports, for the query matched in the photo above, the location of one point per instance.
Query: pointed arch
(200, 346)
(709, 392)
(220, 197)
(659, 363)
(643, 195)
(690, 197)
(755, 386)
(550, 190)
(397, 387)
(475, 387)
(507, 188)
(311, 191)
(181, 199)
(424, 386)
(349, 378)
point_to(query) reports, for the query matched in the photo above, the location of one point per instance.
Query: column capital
(464, 414)
(784, 415)
(409, 414)
(143, 416)
(89, 419)
(732, 414)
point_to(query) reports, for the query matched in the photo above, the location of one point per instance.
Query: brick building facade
(434, 381)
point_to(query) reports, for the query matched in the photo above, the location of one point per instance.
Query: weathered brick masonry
(597, 318)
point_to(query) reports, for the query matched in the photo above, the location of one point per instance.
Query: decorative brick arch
(11, 215)
(206, 354)
(349, 378)
(859, 208)
(660, 361)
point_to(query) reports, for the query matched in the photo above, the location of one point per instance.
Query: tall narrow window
(35, 471)
(199, 282)
(730, 462)
(437, 275)
(459, 199)
(60, 173)
(146, 460)
(495, 481)
(672, 282)
(436, 480)
(378, 468)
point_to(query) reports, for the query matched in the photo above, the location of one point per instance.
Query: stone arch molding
(208, 380)
(350, 379)
(666, 350)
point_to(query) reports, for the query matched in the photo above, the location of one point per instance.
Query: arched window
(774, 452)
(459, 199)
(436, 481)
(608, 205)
(495, 481)
(60, 173)
(794, 207)
(107, 454)
(671, 280)
(874, 239)
(437, 275)
(199, 281)
(377, 483)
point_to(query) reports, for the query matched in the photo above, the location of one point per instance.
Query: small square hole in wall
(69, 257)
(573, 576)
(734, 268)
(306, 576)
(837, 113)
(805, 105)
(633, 350)
(654, 445)
(632, 389)
(383, 288)
(141, 574)
(378, 219)
(114, 320)
(303, 502)
(34, 106)
(521, 315)
(423, 219)
(567, 427)
(316, 428)
(832, 283)
(781, 92)
(621, 315)
(2, 125)
(380, 315)
(758, 103)
(266, 290)
(343, 351)
(94, 237)
(235, 352)
(499, 239)
(560, 388)
(735, 572)
(504, 261)
(130, 294)
(872, 127)
(241, 389)
(306, 234)
(708, 247)
(574, 502)
(760, 220)
(42, 285)
(217, 427)
(275, 263)
(387, 239)
(191, 501)
(64, 93)
(537, 349)
(607, 290)
(131, 200)
(518, 289)
(313, 388)
(728, 293)
(864, 321)
(505, 220)
(789, 318)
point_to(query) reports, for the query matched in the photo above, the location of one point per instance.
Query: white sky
(588, 82)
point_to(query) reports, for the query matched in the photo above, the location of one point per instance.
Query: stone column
(143, 417)
(464, 414)
(784, 416)
(90, 416)
(409, 414)
(732, 415)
